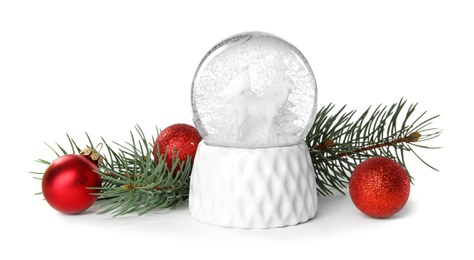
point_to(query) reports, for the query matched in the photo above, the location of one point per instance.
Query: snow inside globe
(254, 101)
(254, 90)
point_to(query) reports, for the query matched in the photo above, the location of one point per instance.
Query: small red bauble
(66, 181)
(379, 187)
(177, 140)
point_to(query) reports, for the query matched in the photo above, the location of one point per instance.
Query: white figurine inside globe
(254, 90)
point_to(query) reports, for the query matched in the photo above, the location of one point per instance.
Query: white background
(103, 66)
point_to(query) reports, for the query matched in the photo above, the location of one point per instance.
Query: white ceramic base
(253, 188)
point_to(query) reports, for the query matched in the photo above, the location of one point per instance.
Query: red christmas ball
(65, 183)
(379, 187)
(179, 140)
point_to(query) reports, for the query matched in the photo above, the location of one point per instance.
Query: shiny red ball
(176, 140)
(65, 184)
(379, 187)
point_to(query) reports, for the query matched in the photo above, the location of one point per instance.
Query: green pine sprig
(338, 141)
(135, 183)
(132, 182)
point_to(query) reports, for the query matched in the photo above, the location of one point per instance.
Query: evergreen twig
(337, 143)
(132, 182)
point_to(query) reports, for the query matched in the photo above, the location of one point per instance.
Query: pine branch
(337, 143)
(136, 184)
(131, 180)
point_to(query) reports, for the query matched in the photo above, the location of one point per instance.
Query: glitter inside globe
(254, 90)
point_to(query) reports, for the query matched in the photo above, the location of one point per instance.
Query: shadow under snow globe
(254, 101)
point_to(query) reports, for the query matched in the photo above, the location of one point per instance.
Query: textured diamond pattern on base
(253, 188)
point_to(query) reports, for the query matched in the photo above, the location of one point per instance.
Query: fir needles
(132, 182)
(135, 183)
(338, 141)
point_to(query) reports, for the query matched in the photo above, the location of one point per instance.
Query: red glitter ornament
(379, 187)
(65, 183)
(177, 140)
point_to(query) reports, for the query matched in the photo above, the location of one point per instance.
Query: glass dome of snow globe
(254, 90)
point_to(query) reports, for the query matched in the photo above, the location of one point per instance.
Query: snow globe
(254, 101)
